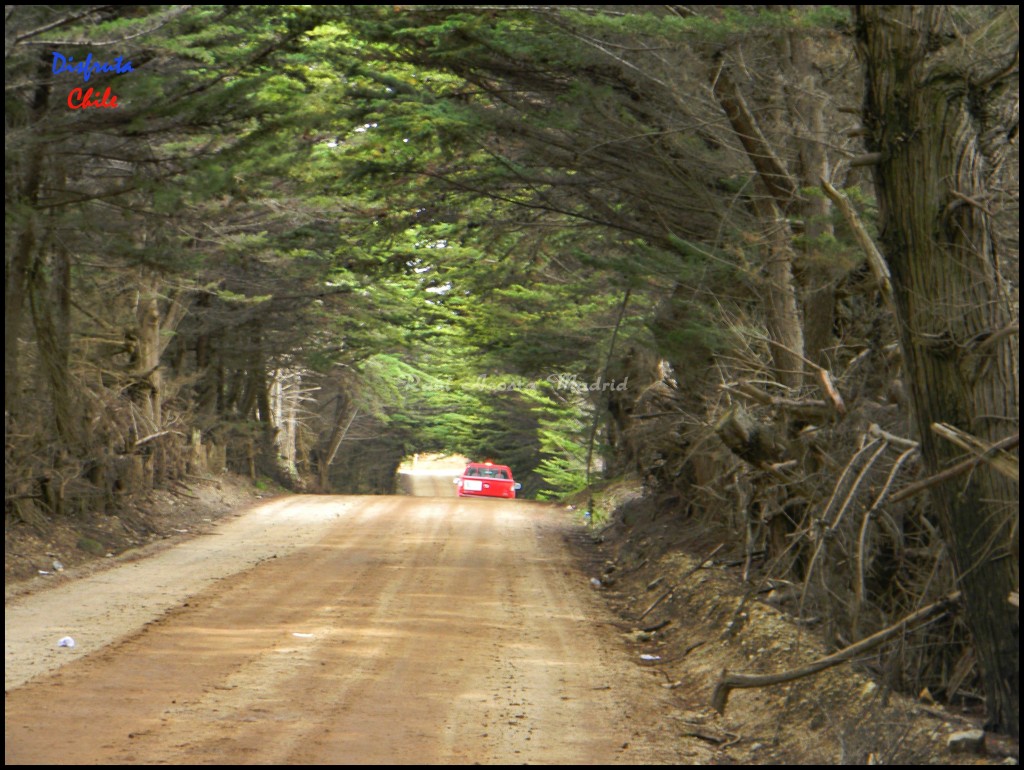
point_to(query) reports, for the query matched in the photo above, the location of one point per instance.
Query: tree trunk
(147, 360)
(286, 393)
(19, 261)
(929, 117)
(156, 321)
(782, 310)
(341, 425)
(806, 103)
(49, 292)
(776, 191)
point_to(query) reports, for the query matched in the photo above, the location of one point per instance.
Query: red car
(487, 480)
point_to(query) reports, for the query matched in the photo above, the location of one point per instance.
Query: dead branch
(61, 22)
(990, 339)
(879, 267)
(1004, 463)
(769, 167)
(99, 321)
(860, 590)
(812, 409)
(153, 436)
(832, 392)
(879, 447)
(953, 471)
(840, 484)
(854, 488)
(876, 431)
(728, 681)
(971, 201)
(748, 439)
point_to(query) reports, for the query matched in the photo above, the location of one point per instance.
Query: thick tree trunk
(928, 118)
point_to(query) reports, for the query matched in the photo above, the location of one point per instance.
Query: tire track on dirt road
(413, 631)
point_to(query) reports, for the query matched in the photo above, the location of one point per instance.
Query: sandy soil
(339, 630)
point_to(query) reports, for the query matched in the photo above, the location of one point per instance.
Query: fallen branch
(749, 439)
(153, 436)
(183, 489)
(832, 392)
(709, 735)
(729, 681)
(813, 407)
(876, 432)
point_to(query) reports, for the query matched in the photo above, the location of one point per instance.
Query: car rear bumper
(509, 495)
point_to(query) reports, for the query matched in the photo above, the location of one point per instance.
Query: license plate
(473, 486)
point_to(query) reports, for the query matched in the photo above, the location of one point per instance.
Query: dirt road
(316, 630)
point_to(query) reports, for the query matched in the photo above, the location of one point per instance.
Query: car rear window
(487, 471)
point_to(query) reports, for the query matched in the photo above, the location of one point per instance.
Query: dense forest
(762, 258)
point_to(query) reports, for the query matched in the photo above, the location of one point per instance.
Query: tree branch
(953, 471)
(1002, 462)
(877, 263)
(729, 681)
(770, 169)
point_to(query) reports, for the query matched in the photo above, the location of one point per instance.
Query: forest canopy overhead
(762, 258)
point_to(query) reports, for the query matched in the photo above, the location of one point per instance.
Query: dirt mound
(688, 614)
(72, 545)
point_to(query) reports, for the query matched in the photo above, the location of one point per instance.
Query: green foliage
(717, 24)
(564, 429)
(425, 200)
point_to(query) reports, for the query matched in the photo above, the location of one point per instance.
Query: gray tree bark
(932, 116)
